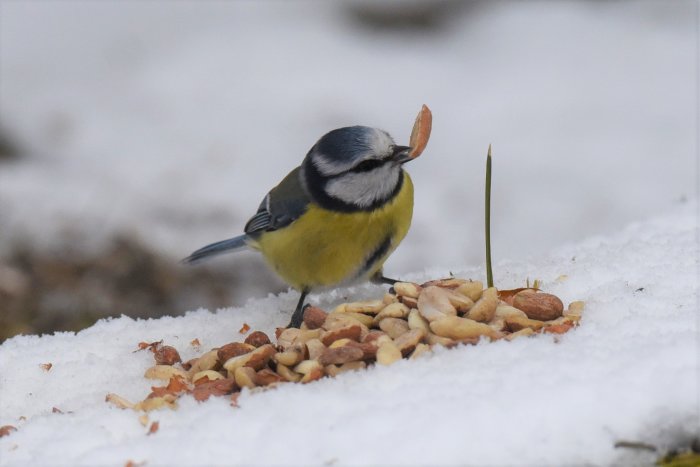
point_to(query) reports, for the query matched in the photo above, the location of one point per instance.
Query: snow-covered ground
(629, 372)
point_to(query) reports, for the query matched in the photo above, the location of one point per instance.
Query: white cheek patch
(365, 188)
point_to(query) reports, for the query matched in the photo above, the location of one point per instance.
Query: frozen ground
(629, 372)
(172, 123)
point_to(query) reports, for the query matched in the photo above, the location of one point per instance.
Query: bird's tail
(224, 246)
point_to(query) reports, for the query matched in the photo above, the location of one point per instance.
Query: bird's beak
(401, 154)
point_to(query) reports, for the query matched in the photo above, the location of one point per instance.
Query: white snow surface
(629, 372)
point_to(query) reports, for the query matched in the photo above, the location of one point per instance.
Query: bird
(334, 219)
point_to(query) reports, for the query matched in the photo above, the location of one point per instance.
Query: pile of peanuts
(406, 323)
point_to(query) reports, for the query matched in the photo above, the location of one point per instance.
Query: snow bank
(628, 372)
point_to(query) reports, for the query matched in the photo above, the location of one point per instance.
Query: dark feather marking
(260, 221)
(376, 255)
(316, 184)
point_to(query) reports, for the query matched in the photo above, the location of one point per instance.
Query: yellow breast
(324, 248)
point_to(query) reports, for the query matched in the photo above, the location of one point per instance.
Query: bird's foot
(298, 317)
(381, 279)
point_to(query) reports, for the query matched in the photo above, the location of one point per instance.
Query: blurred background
(132, 133)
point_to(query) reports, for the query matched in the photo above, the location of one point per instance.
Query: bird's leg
(379, 278)
(298, 315)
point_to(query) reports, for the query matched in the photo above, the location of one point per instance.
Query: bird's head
(354, 168)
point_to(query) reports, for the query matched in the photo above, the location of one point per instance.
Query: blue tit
(336, 218)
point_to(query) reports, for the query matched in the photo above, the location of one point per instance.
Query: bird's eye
(367, 165)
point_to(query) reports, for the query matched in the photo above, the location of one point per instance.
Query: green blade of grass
(487, 220)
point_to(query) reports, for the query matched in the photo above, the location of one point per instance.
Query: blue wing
(282, 206)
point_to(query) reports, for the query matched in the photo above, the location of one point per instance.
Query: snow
(629, 372)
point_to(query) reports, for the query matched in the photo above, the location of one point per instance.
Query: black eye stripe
(366, 166)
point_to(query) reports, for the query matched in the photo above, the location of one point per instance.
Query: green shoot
(487, 215)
